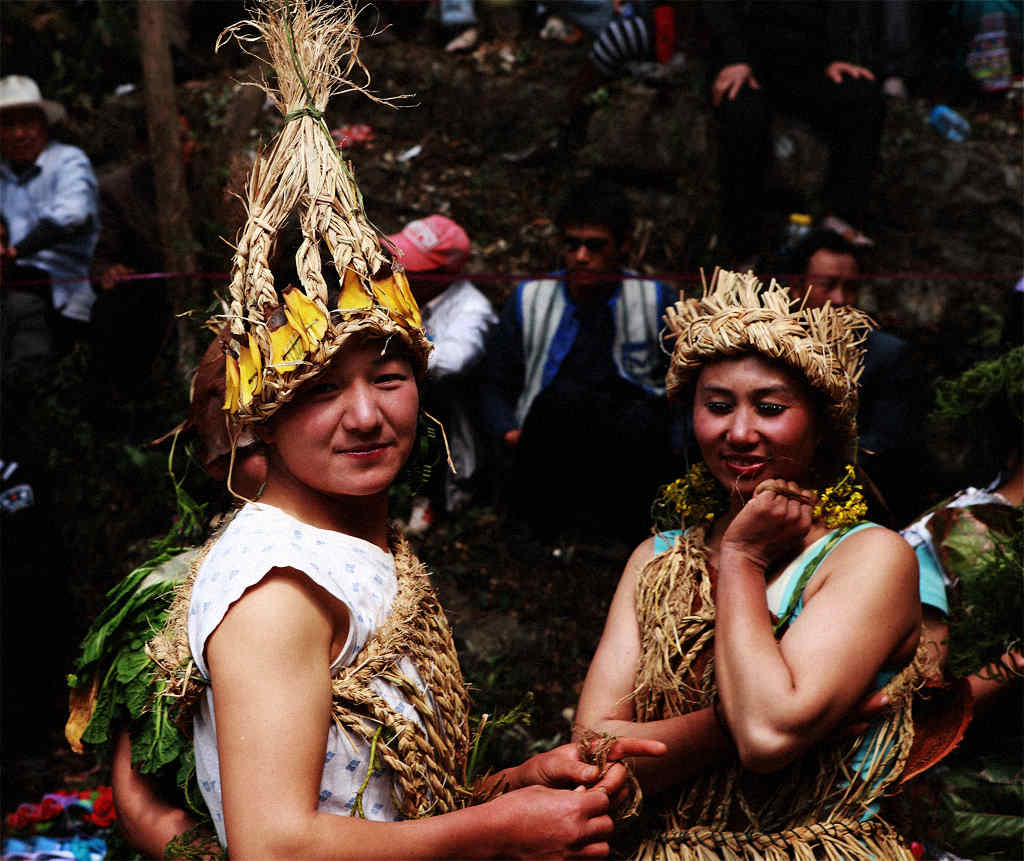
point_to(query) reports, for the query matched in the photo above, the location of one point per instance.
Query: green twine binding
(808, 572)
(311, 110)
(304, 112)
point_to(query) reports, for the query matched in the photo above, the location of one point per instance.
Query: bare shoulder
(880, 541)
(875, 554)
(640, 556)
(285, 606)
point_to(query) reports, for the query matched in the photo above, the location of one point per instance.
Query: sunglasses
(592, 243)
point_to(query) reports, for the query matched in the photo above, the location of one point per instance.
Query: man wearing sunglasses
(575, 389)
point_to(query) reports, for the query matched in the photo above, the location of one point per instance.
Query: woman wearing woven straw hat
(743, 636)
(306, 649)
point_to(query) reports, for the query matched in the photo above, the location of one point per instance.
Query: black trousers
(850, 115)
(592, 460)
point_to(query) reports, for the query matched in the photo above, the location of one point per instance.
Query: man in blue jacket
(575, 384)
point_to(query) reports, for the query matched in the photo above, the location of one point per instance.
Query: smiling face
(346, 434)
(754, 420)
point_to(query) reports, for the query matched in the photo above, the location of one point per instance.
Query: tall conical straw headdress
(284, 334)
(738, 314)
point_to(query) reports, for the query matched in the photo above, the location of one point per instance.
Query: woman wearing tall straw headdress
(306, 651)
(744, 634)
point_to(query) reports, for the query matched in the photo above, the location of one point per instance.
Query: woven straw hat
(283, 334)
(737, 314)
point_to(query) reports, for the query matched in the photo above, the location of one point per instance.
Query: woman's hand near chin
(775, 520)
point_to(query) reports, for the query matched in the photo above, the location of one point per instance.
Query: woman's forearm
(330, 837)
(755, 684)
(149, 823)
(529, 823)
(781, 696)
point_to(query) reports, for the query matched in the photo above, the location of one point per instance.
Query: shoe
(894, 87)
(850, 233)
(464, 41)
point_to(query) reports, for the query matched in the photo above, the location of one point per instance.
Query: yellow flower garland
(697, 498)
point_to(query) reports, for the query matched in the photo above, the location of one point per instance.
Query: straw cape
(738, 314)
(817, 807)
(284, 334)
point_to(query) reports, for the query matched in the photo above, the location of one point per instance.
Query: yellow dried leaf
(250, 372)
(81, 705)
(305, 316)
(286, 345)
(353, 295)
(231, 383)
(394, 294)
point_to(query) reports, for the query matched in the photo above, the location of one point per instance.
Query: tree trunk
(169, 172)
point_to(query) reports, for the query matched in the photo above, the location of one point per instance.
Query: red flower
(50, 807)
(103, 813)
(28, 813)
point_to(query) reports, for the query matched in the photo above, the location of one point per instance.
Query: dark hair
(795, 260)
(596, 203)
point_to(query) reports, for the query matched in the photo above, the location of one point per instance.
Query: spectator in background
(973, 541)
(457, 318)
(48, 212)
(645, 35)
(888, 419)
(575, 379)
(955, 540)
(802, 57)
(48, 197)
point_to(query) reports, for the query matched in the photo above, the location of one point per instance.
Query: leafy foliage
(483, 730)
(984, 805)
(988, 616)
(113, 651)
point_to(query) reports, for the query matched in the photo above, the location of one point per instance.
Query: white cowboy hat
(18, 91)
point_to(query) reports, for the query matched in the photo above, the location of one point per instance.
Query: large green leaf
(131, 662)
(974, 826)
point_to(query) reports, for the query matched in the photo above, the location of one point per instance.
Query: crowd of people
(755, 687)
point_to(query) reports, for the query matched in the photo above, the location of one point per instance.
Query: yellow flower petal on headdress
(250, 372)
(231, 378)
(353, 294)
(305, 316)
(394, 294)
(286, 344)
(413, 308)
(296, 324)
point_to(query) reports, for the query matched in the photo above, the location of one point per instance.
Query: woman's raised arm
(861, 612)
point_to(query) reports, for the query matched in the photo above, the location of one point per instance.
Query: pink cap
(434, 242)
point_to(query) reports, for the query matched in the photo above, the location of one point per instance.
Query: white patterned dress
(357, 573)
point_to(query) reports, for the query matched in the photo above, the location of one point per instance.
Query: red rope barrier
(498, 277)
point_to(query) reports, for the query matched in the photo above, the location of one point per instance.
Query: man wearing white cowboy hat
(49, 199)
